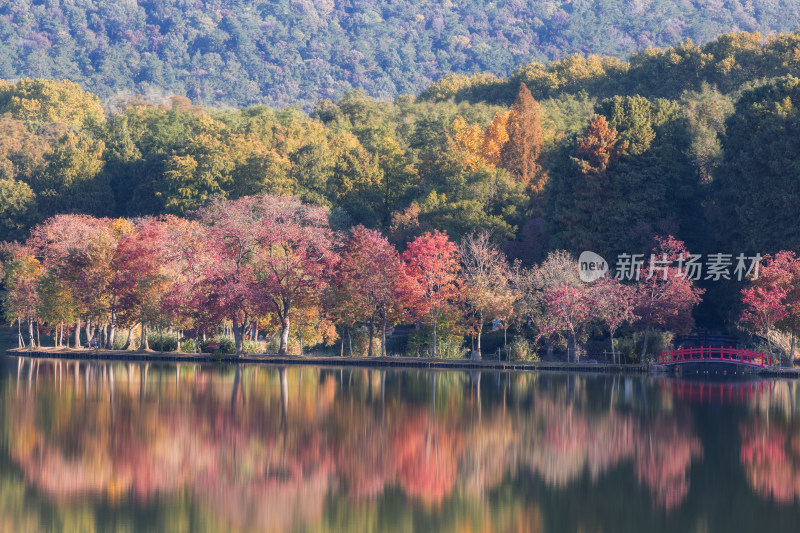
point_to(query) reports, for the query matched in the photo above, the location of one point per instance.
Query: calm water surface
(132, 447)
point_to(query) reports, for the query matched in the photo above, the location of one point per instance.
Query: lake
(109, 447)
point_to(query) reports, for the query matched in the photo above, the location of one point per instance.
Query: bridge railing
(719, 353)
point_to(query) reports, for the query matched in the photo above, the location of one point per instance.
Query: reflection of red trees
(770, 455)
(245, 465)
(265, 464)
(57, 474)
(269, 485)
(571, 441)
(365, 465)
(664, 455)
(426, 452)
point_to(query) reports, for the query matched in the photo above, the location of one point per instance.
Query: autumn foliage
(273, 264)
(598, 148)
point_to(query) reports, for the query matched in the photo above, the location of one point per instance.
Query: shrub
(657, 341)
(451, 348)
(520, 349)
(226, 345)
(416, 345)
(254, 347)
(447, 347)
(273, 344)
(630, 348)
(166, 342)
(189, 346)
(360, 342)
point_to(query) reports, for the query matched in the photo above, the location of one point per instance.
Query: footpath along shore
(322, 360)
(348, 361)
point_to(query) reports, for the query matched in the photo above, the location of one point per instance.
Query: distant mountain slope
(284, 52)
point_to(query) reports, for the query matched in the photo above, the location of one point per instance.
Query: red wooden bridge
(720, 354)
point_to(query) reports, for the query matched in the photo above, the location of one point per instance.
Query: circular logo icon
(591, 267)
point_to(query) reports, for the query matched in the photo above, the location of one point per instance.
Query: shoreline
(325, 360)
(369, 362)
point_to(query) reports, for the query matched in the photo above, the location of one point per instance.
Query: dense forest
(581, 154)
(285, 53)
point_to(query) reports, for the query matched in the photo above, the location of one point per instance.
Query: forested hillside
(583, 154)
(297, 52)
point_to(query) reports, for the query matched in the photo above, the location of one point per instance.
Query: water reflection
(272, 449)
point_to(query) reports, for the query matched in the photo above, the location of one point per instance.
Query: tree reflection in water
(770, 449)
(270, 449)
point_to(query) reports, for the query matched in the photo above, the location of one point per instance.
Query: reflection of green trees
(262, 449)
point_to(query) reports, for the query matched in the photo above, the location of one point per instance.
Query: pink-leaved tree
(372, 285)
(612, 304)
(666, 296)
(432, 261)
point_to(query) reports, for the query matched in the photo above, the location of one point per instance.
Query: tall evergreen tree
(520, 155)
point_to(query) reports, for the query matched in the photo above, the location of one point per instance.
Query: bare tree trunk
(112, 335)
(20, 340)
(144, 343)
(644, 343)
(613, 353)
(434, 336)
(130, 336)
(284, 347)
(480, 331)
(77, 334)
(371, 333)
(31, 334)
(237, 336)
(383, 337)
(569, 348)
(769, 343)
(112, 330)
(575, 349)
